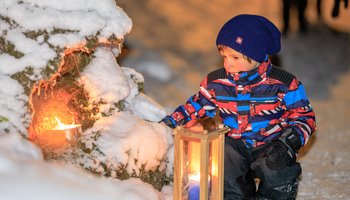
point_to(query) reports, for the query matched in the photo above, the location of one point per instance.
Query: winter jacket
(257, 105)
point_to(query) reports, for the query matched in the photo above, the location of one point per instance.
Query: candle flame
(62, 126)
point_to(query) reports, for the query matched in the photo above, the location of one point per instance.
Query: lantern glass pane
(214, 168)
(192, 166)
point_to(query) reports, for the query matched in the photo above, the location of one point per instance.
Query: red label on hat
(239, 40)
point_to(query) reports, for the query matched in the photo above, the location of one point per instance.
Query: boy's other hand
(282, 152)
(279, 156)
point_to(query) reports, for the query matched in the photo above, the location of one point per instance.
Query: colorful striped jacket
(257, 105)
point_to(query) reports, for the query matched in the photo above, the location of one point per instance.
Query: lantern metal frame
(205, 138)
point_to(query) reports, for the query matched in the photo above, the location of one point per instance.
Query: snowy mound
(35, 38)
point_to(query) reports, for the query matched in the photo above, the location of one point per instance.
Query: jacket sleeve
(197, 106)
(301, 117)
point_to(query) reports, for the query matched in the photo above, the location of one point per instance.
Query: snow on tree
(58, 61)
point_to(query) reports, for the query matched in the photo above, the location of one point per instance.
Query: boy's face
(235, 62)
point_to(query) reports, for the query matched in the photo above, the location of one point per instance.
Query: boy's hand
(168, 121)
(194, 126)
(282, 152)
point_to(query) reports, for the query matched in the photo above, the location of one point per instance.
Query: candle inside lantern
(193, 187)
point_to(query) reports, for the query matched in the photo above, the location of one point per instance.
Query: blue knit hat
(252, 35)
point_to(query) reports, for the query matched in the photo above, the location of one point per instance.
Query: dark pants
(243, 165)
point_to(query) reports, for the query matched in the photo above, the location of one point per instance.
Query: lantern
(199, 164)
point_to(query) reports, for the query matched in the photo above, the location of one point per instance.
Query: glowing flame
(62, 126)
(194, 176)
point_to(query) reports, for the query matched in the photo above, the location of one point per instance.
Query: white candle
(193, 187)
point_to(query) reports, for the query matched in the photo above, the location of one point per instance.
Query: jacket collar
(250, 77)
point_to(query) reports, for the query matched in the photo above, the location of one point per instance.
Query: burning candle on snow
(71, 130)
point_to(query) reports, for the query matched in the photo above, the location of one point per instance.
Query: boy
(265, 107)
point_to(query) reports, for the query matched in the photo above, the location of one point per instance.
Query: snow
(134, 137)
(83, 19)
(104, 69)
(64, 40)
(35, 54)
(12, 102)
(14, 146)
(146, 108)
(22, 168)
(131, 137)
(87, 17)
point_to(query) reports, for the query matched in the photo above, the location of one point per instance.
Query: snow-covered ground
(24, 175)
